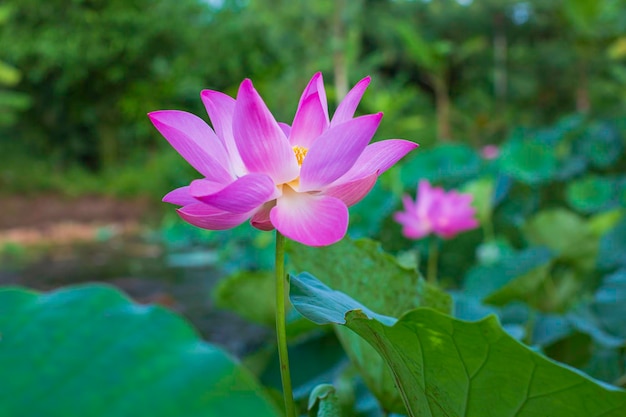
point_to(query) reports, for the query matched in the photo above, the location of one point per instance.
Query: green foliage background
(544, 80)
(78, 76)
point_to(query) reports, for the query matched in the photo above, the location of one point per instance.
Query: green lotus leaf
(361, 269)
(529, 161)
(590, 194)
(89, 351)
(613, 247)
(449, 367)
(501, 282)
(609, 303)
(251, 294)
(565, 233)
(450, 164)
(601, 144)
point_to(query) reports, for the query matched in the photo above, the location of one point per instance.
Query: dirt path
(50, 219)
(43, 211)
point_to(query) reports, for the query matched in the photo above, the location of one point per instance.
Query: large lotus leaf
(585, 320)
(449, 367)
(566, 233)
(89, 351)
(601, 144)
(609, 303)
(591, 194)
(450, 164)
(504, 276)
(529, 161)
(361, 269)
(611, 253)
(540, 285)
(251, 294)
(602, 223)
(521, 288)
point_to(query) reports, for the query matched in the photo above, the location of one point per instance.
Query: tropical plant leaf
(250, 294)
(566, 233)
(613, 247)
(601, 144)
(362, 270)
(449, 165)
(609, 303)
(521, 288)
(444, 366)
(602, 223)
(514, 277)
(529, 161)
(89, 351)
(591, 194)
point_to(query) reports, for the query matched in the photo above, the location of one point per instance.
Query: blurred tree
(87, 62)
(10, 101)
(417, 37)
(593, 26)
(435, 59)
(93, 68)
(304, 37)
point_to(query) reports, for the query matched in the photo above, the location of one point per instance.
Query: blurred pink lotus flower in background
(436, 211)
(299, 179)
(490, 152)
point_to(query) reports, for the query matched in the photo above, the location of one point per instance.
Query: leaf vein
(526, 394)
(617, 408)
(557, 391)
(419, 340)
(468, 390)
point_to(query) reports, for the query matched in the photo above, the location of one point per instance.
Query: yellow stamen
(300, 153)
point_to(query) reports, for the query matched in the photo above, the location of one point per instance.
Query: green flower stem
(433, 260)
(281, 332)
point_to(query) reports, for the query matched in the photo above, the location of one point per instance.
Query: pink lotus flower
(435, 211)
(299, 179)
(490, 152)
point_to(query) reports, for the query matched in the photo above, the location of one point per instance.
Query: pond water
(180, 280)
